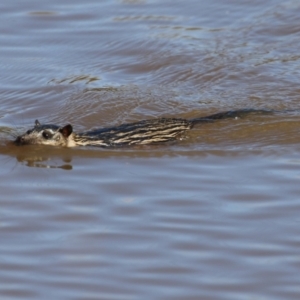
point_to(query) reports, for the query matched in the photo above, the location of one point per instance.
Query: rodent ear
(66, 130)
(37, 123)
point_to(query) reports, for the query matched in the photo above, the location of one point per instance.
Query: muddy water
(212, 216)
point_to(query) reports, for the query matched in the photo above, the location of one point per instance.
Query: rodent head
(46, 134)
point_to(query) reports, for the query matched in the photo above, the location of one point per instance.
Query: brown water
(213, 216)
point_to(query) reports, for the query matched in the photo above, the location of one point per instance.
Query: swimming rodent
(145, 132)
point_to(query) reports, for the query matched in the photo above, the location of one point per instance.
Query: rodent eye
(46, 135)
(28, 131)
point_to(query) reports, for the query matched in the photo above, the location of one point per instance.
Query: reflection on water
(212, 216)
(41, 162)
(116, 227)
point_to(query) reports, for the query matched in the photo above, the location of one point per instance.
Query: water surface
(212, 216)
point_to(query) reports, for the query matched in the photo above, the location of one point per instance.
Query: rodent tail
(231, 114)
